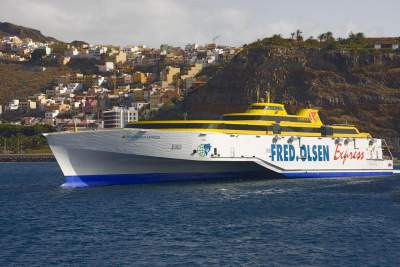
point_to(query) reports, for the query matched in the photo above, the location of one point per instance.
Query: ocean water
(320, 222)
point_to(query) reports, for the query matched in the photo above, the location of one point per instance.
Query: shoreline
(48, 157)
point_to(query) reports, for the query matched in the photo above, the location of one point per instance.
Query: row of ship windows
(266, 108)
(265, 118)
(276, 129)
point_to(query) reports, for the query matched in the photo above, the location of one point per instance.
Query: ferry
(262, 142)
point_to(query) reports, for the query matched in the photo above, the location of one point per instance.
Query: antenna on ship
(268, 96)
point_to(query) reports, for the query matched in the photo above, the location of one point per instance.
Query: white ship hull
(123, 156)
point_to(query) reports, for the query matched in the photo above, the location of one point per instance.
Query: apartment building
(118, 117)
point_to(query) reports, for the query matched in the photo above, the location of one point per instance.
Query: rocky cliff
(360, 87)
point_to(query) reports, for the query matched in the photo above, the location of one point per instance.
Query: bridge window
(265, 118)
(255, 107)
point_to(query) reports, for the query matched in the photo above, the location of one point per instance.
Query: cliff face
(355, 87)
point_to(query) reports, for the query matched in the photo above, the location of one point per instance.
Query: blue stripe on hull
(121, 179)
(334, 174)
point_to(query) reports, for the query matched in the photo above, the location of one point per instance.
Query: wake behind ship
(263, 142)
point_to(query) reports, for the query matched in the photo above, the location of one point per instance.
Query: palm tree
(322, 37)
(352, 36)
(329, 36)
(360, 36)
(299, 37)
(356, 37)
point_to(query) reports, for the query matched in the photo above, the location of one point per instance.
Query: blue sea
(315, 222)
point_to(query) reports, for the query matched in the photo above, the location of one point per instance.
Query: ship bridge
(275, 112)
(267, 109)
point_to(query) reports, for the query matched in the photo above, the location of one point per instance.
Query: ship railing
(386, 153)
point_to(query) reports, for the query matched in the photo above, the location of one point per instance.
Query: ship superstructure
(264, 141)
(261, 118)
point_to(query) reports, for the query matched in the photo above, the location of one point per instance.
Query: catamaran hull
(93, 168)
(128, 156)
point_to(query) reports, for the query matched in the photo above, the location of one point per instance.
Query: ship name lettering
(287, 152)
(344, 155)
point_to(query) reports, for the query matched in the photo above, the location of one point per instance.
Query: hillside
(20, 81)
(9, 29)
(357, 86)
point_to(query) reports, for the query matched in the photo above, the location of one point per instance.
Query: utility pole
(115, 79)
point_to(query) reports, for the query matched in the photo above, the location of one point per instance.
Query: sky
(178, 22)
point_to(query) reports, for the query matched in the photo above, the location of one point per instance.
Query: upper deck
(260, 119)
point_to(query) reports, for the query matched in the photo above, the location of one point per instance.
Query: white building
(118, 117)
(13, 105)
(27, 105)
(47, 50)
(385, 42)
(97, 51)
(139, 105)
(73, 52)
(108, 66)
(51, 114)
(56, 91)
(39, 97)
(100, 79)
(75, 104)
(383, 45)
(131, 49)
